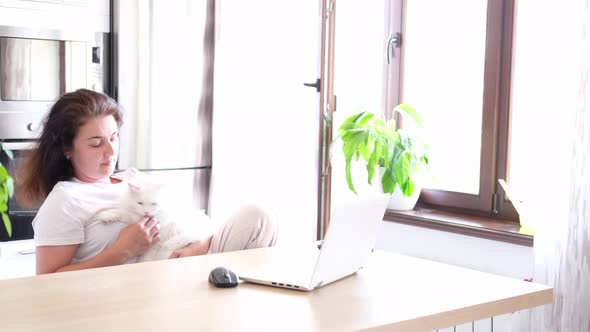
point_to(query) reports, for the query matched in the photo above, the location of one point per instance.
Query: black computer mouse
(223, 277)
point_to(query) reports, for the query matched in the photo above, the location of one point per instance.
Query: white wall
(471, 252)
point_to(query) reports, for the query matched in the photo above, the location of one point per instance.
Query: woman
(71, 172)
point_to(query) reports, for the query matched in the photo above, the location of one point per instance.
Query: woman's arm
(57, 258)
(133, 241)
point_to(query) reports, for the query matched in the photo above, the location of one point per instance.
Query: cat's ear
(133, 186)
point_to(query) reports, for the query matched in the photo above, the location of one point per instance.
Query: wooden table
(393, 293)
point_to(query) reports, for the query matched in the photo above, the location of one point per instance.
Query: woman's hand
(133, 241)
(194, 249)
(136, 239)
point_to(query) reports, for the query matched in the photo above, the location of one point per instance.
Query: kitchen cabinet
(17, 259)
(57, 14)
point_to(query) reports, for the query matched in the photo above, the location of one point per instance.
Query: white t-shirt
(61, 218)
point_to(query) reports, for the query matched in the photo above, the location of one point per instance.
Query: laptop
(349, 240)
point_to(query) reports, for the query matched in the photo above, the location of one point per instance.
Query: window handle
(395, 40)
(315, 85)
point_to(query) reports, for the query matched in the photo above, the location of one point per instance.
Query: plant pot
(398, 201)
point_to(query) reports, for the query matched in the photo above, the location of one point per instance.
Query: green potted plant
(396, 155)
(6, 192)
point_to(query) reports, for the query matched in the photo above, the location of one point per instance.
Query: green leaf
(6, 191)
(388, 154)
(405, 140)
(409, 110)
(388, 181)
(349, 177)
(350, 122)
(408, 187)
(366, 148)
(402, 166)
(374, 159)
(349, 151)
(402, 172)
(364, 119)
(356, 156)
(7, 224)
(3, 174)
(351, 136)
(384, 130)
(358, 142)
(3, 194)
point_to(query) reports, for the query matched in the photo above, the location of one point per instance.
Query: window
(443, 76)
(456, 71)
(466, 121)
(454, 66)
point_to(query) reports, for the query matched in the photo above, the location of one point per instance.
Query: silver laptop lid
(350, 238)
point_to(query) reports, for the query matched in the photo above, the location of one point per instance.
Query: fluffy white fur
(178, 226)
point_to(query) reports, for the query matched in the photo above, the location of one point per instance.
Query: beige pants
(249, 228)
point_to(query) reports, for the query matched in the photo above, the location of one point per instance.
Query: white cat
(177, 228)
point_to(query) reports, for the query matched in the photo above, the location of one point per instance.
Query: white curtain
(551, 73)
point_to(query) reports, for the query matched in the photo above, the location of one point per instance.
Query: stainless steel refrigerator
(163, 69)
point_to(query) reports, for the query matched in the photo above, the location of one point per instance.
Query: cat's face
(145, 198)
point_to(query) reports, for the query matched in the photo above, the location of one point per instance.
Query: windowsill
(487, 228)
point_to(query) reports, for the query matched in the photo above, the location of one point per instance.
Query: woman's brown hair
(47, 164)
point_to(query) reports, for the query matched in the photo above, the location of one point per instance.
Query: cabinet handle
(16, 146)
